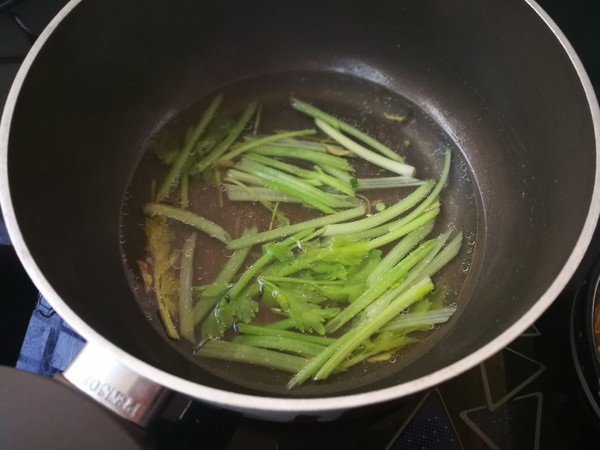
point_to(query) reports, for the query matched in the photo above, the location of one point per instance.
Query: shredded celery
(340, 284)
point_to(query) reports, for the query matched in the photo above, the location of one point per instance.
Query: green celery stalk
(233, 264)
(189, 218)
(399, 251)
(280, 343)
(186, 314)
(314, 364)
(288, 183)
(382, 217)
(238, 175)
(383, 284)
(360, 334)
(364, 153)
(322, 159)
(396, 233)
(449, 252)
(175, 171)
(243, 193)
(428, 266)
(257, 330)
(276, 233)
(185, 182)
(230, 351)
(262, 141)
(316, 174)
(418, 319)
(217, 151)
(365, 184)
(353, 131)
(316, 146)
(422, 207)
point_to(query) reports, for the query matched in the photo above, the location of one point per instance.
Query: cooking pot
(498, 78)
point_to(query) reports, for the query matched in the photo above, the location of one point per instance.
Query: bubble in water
(227, 252)
(350, 357)
(392, 359)
(465, 265)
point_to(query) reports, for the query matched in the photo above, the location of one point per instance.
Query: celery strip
(318, 114)
(189, 218)
(339, 174)
(382, 217)
(399, 251)
(280, 343)
(316, 174)
(358, 335)
(217, 151)
(289, 184)
(238, 175)
(396, 233)
(365, 184)
(185, 183)
(234, 263)
(313, 365)
(186, 314)
(364, 153)
(383, 284)
(419, 319)
(262, 141)
(448, 253)
(428, 266)
(270, 235)
(322, 159)
(237, 193)
(257, 330)
(175, 171)
(230, 351)
(425, 204)
(316, 146)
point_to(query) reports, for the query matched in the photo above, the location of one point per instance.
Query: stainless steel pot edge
(276, 408)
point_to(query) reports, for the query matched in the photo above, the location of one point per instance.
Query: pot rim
(265, 403)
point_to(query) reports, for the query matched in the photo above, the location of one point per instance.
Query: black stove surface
(525, 397)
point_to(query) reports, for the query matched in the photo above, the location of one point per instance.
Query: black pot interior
(492, 76)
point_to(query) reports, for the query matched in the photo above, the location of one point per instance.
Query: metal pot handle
(95, 372)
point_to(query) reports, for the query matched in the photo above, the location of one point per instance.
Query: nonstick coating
(503, 84)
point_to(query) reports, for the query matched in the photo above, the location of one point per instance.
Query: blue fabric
(50, 344)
